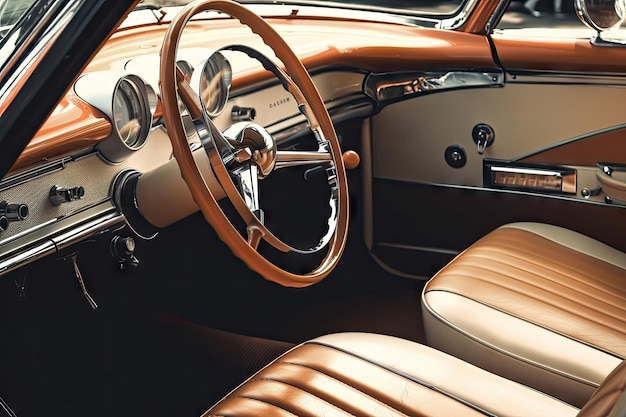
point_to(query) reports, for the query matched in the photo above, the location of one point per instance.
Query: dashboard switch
(59, 195)
(243, 114)
(13, 212)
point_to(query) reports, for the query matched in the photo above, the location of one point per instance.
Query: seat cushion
(536, 303)
(376, 375)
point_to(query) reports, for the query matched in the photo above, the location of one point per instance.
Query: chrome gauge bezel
(131, 115)
(128, 102)
(212, 82)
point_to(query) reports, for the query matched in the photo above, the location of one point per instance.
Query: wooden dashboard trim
(601, 147)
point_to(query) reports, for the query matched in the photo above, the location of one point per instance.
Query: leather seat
(535, 303)
(375, 375)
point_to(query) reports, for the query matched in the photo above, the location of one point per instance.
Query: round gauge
(127, 101)
(215, 81)
(130, 114)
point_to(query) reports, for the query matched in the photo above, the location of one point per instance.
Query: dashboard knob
(13, 212)
(59, 195)
(4, 223)
(242, 114)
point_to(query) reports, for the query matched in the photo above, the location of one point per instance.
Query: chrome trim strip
(458, 19)
(395, 86)
(552, 77)
(23, 177)
(88, 229)
(568, 197)
(23, 258)
(58, 236)
(54, 221)
(529, 171)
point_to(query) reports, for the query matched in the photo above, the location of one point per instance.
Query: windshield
(10, 12)
(519, 14)
(402, 7)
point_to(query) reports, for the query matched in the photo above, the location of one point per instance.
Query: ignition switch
(123, 248)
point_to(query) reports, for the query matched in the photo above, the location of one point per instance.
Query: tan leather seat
(536, 303)
(358, 374)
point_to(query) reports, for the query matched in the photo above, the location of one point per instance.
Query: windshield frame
(47, 69)
(452, 20)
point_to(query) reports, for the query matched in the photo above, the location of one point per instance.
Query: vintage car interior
(312, 208)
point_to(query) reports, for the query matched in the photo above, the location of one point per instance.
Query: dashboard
(61, 195)
(78, 176)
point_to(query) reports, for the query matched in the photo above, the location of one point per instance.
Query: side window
(541, 14)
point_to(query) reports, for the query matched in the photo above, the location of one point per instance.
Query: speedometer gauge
(214, 83)
(129, 104)
(129, 114)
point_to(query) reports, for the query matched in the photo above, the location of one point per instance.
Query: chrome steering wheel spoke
(248, 179)
(299, 158)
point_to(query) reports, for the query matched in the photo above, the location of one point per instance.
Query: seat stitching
(261, 401)
(557, 241)
(479, 252)
(307, 366)
(548, 300)
(611, 299)
(265, 400)
(514, 244)
(406, 376)
(554, 279)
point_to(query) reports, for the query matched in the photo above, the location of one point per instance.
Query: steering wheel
(240, 162)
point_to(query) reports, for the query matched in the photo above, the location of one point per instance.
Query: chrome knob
(59, 195)
(13, 212)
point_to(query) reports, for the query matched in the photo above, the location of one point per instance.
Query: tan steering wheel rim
(172, 85)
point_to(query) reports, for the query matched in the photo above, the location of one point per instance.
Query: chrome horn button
(258, 140)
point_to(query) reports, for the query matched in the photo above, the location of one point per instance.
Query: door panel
(424, 211)
(410, 137)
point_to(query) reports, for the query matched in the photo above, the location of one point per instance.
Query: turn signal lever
(351, 160)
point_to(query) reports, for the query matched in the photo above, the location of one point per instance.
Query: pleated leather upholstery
(535, 303)
(357, 374)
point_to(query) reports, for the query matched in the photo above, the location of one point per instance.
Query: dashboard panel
(75, 137)
(59, 216)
